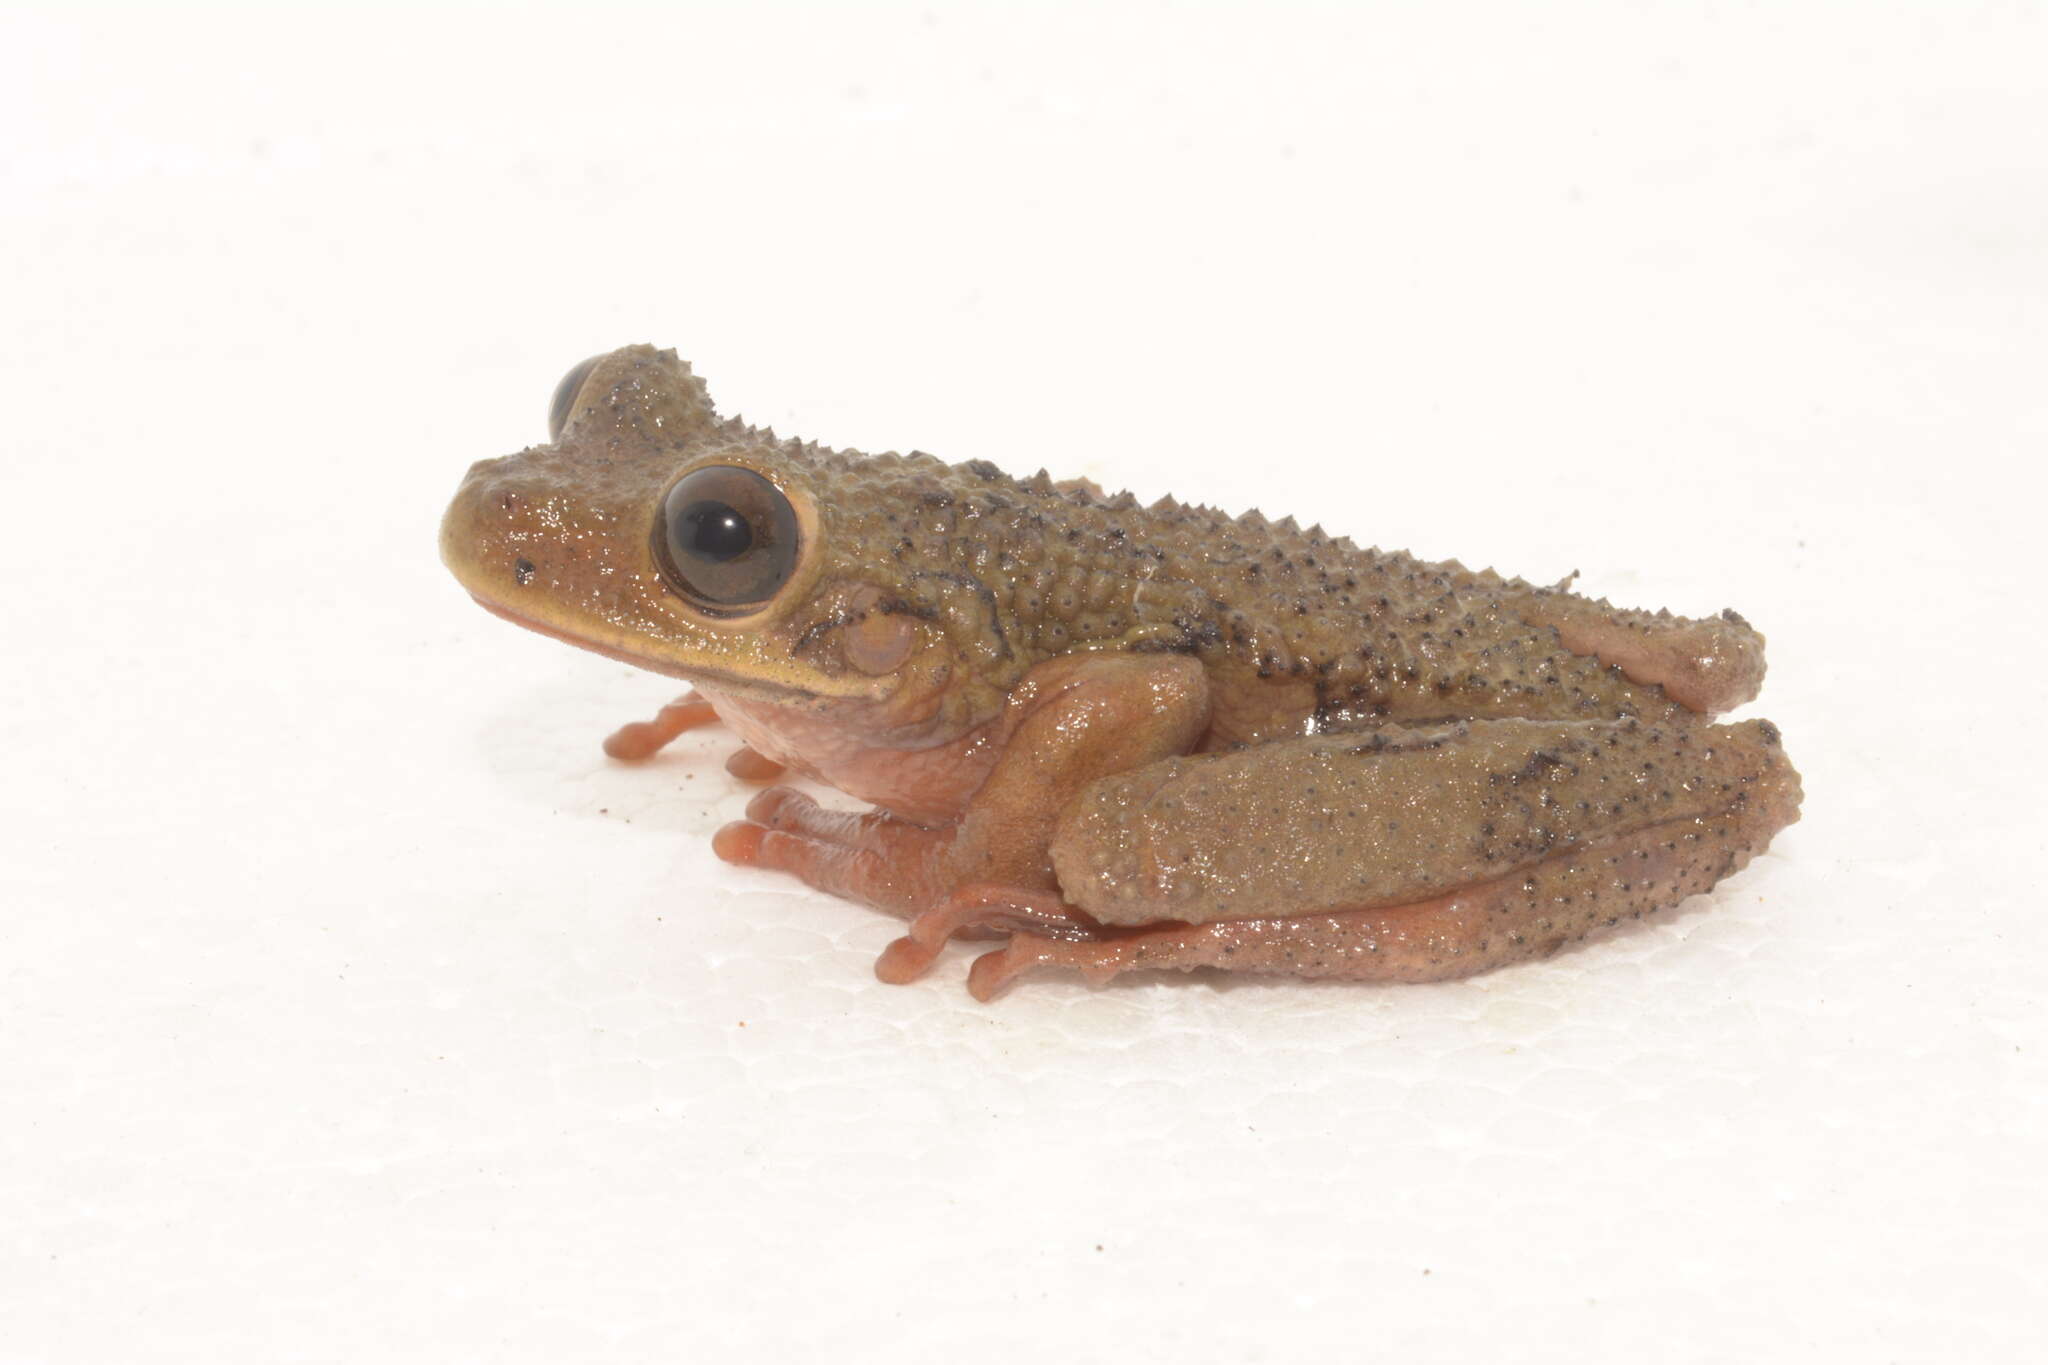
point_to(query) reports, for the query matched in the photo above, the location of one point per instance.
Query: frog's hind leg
(979, 911)
(643, 739)
(1408, 856)
(1522, 917)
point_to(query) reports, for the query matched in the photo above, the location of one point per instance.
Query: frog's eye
(563, 404)
(728, 538)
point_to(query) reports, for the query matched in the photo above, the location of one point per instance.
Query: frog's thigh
(1409, 856)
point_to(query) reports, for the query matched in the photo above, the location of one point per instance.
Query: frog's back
(1292, 623)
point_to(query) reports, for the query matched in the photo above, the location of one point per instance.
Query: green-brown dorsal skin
(934, 609)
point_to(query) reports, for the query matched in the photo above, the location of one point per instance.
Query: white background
(352, 1007)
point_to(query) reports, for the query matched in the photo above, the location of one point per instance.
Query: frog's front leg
(639, 740)
(1068, 722)
(643, 739)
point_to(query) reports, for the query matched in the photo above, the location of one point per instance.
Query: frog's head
(653, 531)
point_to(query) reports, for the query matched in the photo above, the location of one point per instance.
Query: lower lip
(609, 651)
(765, 691)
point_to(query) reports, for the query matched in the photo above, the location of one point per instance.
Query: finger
(642, 739)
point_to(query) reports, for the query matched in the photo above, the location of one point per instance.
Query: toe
(768, 807)
(739, 843)
(905, 961)
(642, 739)
(749, 766)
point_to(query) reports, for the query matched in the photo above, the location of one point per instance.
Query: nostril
(509, 501)
(522, 571)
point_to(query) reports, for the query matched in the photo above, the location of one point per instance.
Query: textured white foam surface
(353, 1007)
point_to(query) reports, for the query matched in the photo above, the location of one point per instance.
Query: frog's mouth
(751, 687)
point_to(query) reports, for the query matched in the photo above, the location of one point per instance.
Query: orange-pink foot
(868, 857)
(983, 906)
(1096, 962)
(644, 738)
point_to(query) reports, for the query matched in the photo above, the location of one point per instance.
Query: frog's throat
(764, 689)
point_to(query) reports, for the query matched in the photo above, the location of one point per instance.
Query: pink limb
(642, 739)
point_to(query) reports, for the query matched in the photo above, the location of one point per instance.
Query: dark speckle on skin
(522, 571)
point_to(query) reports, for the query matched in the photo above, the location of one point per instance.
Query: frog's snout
(481, 533)
(525, 535)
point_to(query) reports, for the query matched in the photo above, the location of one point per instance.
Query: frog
(1107, 736)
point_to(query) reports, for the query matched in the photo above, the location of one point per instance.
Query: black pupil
(727, 538)
(714, 531)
